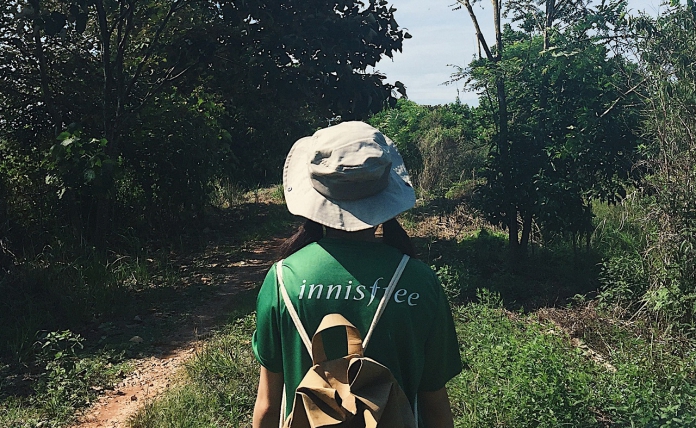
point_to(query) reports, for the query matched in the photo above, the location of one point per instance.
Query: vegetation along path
(153, 373)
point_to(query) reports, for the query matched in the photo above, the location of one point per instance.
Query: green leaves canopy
(183, 91)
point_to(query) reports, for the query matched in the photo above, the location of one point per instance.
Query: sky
(443, 37)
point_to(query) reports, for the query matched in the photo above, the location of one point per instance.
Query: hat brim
(349, 215)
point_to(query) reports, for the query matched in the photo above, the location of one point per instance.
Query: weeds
(65, 379)
(524, 373)
(519, 371)
(575, 365)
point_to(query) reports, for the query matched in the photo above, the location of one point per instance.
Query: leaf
(54, 23)
(89, 175)
(81, 22)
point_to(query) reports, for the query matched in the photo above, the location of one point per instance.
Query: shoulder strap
(385, 299)
(378, 314)
(291, 309)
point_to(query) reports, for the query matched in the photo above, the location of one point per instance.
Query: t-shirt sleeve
(442, 359)
(266, 341)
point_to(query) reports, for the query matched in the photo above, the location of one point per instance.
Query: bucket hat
(348, 176)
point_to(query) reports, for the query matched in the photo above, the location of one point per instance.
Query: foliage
(75, 164)
(441, 145)
(542, 382)
(524, 373)
(68, 379)
(452, 281)
(519, 371)
(550, 276)
(649, 271)
(666, 47)
(620, 237)
(48, 376)
(570, 136)
(166, 97)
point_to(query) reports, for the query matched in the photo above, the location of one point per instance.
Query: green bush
(441, 145)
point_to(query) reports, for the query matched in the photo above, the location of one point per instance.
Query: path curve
(154, 374)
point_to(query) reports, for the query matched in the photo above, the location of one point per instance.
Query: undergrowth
(521, 372)
(68, 310)
(537, 349)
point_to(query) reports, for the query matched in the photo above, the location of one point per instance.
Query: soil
(154, 373)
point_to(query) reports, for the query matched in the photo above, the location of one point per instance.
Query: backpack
(351, 391)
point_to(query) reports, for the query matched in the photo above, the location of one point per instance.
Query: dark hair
(395, 235)
(392, 234)
(309, 232)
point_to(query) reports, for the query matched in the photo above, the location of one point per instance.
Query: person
(346, 181)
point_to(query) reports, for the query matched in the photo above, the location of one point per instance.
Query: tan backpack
(352, 391)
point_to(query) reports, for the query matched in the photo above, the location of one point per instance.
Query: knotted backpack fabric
(351, 391)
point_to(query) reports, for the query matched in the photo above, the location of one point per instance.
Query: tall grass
(522, 372)
(60, 290)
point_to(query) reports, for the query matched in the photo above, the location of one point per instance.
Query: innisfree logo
(355, 292)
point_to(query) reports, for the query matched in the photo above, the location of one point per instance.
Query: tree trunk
(46, 90)
(526, 231)
(503, 144)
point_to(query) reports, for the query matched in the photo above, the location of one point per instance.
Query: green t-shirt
(415, 337)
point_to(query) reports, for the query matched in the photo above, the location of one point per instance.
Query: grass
(523, 372)
(219, 387)
(537, 349)
(520, 371)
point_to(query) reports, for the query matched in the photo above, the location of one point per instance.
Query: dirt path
(154, 374)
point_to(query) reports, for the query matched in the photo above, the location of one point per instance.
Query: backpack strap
(385, 299)
(291, 309)
(378, 314)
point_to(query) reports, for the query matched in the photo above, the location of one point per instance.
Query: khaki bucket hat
(348, 177)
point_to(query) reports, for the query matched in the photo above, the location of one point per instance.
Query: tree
(441, 145)
(172, 92)
(570, 121)
(502, 142)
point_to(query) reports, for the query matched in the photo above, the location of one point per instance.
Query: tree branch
(105, 36)
(43, 72)
(611, 107)
(157, 86)
(120, 53)
(479, 34)
(151, 48)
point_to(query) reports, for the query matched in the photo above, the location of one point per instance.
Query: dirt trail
(154, 374)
